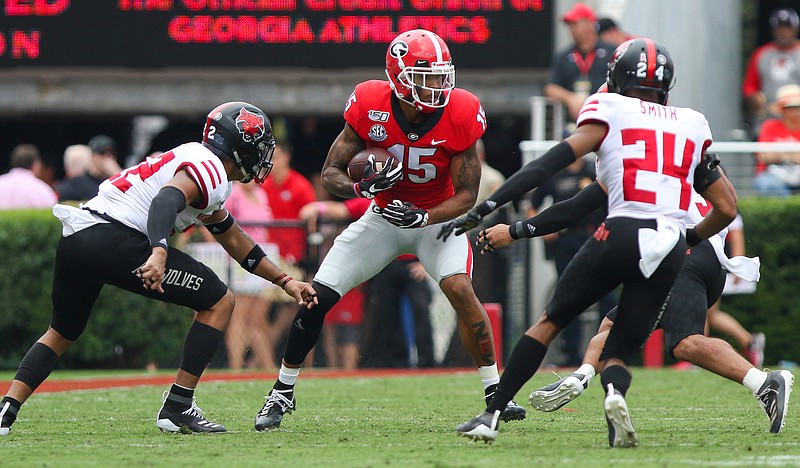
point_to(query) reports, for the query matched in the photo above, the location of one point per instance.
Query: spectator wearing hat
(778, 173)
(21, 188)
(579, 70)
(772, 65)
(102, 165)
(609, 31)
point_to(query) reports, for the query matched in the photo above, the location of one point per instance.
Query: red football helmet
(420, 70)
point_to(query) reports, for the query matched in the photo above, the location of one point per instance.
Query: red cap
(579, 11)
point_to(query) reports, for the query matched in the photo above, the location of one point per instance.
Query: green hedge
(771, 232)
(128, 331)
(125, 330)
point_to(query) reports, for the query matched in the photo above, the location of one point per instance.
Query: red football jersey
(424, 149)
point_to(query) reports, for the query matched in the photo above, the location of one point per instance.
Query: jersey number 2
(144, 170)
(650, 163)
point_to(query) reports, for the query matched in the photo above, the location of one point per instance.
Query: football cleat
(482, 427)
(755, 350)
(8, 414)
(773, 396)
(621, 433)
(279, 402)
(512, 412)
(186, 421)
(559, 393)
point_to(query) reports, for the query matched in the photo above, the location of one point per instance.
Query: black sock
(282, 386)
(617, 375)
(10, 413)
(179, 397)
(36, 365)
(524, 361)
(201, 343)
(14, 403)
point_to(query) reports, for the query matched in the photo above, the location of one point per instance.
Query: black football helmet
(241, 132)
(641, 63)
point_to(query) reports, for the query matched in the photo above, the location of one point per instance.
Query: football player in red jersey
(431, 128)
(119, 237)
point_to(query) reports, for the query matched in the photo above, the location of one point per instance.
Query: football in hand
(360, 161)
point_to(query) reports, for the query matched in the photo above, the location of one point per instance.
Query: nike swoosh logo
(437, 142)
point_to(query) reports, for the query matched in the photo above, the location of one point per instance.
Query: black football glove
(468, 221)
(405, 215)
(378, 181)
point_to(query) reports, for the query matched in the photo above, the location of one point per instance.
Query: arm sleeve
(161, 218)
(562, 214)
(534, 174)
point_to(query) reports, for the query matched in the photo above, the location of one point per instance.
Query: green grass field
(683, 419)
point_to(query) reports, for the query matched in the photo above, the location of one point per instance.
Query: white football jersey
(648, 157)
(698, 210)
(126, 196)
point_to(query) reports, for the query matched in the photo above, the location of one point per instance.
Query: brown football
(355, 169)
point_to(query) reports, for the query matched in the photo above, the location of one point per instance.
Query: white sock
(288, 375)
(754, 379)
(489, 375)
(586, 369)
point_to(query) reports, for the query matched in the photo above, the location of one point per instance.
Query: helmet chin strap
(246, 176)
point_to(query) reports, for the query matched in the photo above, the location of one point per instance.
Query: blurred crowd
(294, 215)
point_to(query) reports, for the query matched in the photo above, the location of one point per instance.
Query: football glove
(378, 181)
(405, 215)
(468, 221)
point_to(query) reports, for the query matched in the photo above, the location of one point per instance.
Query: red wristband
(285, 281)
(275, 281)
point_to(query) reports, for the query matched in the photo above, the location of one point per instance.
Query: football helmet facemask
(243, 133)
(420, 70)
(641, 63)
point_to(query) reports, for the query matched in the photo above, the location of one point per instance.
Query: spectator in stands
(772, 65)
(20, 187)
(579, 70)
(76, 162)
(102, 165)
(609, 31)
(287, 191)
(249, 324)
(778, 173)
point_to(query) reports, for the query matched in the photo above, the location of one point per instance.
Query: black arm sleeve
(706, 173)
(562, 214)
(534, 173)
(161, 218)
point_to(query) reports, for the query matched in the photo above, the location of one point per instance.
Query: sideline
(94, 383)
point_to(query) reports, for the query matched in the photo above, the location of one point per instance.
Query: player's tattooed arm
(334, 172)
(465, 170)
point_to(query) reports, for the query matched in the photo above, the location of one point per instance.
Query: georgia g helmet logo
(399, 49)
(250, 125)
